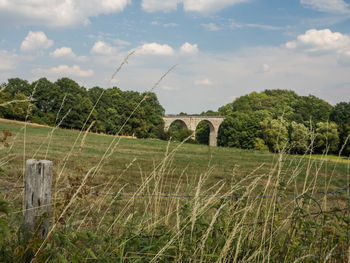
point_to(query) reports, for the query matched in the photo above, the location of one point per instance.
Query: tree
(47, 100)
(77, 102)
(299, 137)
(267, 108)
(312, 108)
(341, 116)
(14, 111)
(152, 114)
(327, 137)
(141, 113)
(259, 145)
(202, 133)
(238, 130)
(241, 129)
(16, 85)
(117, 107)
(5, 111)
(210, 113)
(178, 131)
(226, 109)
(275, 134)
(279, 103)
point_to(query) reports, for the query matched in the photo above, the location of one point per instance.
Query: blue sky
(223, 48)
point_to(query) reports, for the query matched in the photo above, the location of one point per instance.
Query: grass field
(227, 164)
(154, 167)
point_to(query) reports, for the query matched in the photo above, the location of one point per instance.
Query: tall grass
(266, 214)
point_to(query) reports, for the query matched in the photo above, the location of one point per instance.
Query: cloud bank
(57, 13)
(323, 40)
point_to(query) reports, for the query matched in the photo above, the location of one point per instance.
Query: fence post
(37, 197)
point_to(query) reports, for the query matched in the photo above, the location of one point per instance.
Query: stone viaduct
(191, 122)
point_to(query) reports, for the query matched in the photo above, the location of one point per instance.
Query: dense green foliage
(284, 103)
(67, 102)
(240, 129)
(202, 133)
(281, 119)
(341, 116)
(179, 132)
(299, 137)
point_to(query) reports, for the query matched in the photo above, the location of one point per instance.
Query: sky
(222, 49)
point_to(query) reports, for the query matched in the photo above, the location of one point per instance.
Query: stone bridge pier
(191, 122)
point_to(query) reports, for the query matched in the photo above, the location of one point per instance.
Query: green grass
(229, 163)
(331, 157)
(196, 229)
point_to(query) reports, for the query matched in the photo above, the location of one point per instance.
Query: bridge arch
(191, 122)
(183, 124)
(212, 132)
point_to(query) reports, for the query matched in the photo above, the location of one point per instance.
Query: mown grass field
(154, 168)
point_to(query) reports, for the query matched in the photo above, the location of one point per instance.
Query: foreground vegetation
(137, 200)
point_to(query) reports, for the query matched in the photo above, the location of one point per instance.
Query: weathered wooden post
(37, 197)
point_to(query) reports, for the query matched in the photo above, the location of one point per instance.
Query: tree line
(280, 119)
(67, 103)
(270, 120)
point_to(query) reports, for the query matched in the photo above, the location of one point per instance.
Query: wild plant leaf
(91, 253)
(62, 258)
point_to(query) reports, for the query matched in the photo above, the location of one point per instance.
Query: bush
(259, 145)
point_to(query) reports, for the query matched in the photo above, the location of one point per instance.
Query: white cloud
(209, 6)
(66, 52)
(103, 48)
(321, 41)
(291, 44)
(35, 42)
(159, 5)
(188, 48)
(329, 6)
(211, 27)
(63, 52)
(205, 82)
(155, 49)
(201, 6)
(64, 71)
(57, 13)
(8, 60)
